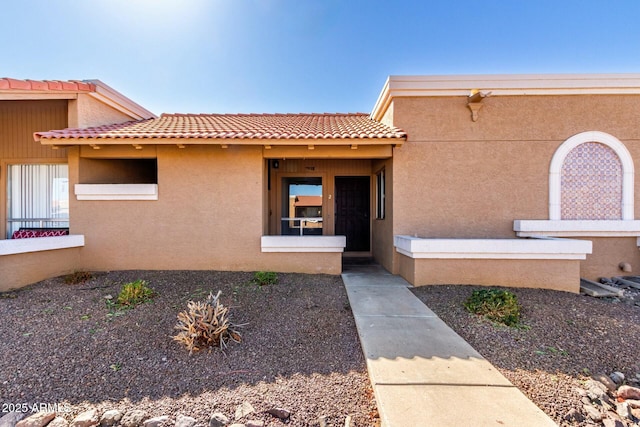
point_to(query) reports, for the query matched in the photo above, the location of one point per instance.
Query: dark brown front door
(352, 211)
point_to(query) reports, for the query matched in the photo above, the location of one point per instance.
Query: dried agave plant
(206, 324)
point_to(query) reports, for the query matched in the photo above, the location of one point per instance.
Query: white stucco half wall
(534, 248)
(303, 243)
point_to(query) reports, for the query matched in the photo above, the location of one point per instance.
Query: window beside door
(302, 206)
(380, 194)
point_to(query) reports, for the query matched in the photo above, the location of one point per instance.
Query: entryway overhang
(271, 149)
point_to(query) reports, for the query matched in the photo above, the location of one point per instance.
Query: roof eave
(107, 95)
(110, 141)
(505, 85)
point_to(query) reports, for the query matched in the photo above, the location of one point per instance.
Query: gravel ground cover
(566, 338)
(61, 344)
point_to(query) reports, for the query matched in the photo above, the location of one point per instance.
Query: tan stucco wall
(458, 178)
(560, 275)
(471, 189)
(87, 111)
(517, 118)
(23, 269)
(608, 253)
(388, 116)
(209, 215)
(382, 229)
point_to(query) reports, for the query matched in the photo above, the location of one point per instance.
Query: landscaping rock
(610, 422)
(110, 418)
(185, 421)
(244, 410)
(623, 411)
(254, 423)
(633, 403)
(281, 413)
(161, 421)
(628, 392)
(592, 412)
(11, 419)
(86, 419)
(606, 381)
(133, 418)
(39, 419)
(617, 377)
(58, 422)
(573, 416)
(597, 387)
(218, 420)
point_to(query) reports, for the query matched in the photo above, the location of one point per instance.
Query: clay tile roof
(240, 126)
(302, 201)
(46, 85)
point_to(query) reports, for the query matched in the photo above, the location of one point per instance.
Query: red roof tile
(47, 85)
(240, 126)
(303, 201)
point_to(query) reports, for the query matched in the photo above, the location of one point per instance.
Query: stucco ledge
(39, 244)
(521, 248)
(303, 243)
(116, 191)
(577, 228)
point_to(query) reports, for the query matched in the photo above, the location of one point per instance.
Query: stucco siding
(517, 118)
(25, 268)
(560, 275)
(456, 178)
(382, 229)
(469, 188)
(86, 111)
(608, 253)
(209, 215)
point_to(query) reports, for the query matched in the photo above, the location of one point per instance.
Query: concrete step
(628, 281)
(598, 290)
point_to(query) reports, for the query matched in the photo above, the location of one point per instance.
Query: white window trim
(116, 191)
(555, 171)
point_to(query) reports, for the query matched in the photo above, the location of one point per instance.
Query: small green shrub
(134, 293)
(77, 277)
(262, 278)
(496, 305)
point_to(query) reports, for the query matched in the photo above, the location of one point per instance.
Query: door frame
(371, 212)
(327, 217)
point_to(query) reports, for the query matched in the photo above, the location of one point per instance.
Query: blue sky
(210, 56)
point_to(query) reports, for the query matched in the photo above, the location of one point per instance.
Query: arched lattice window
(591, 178)
(591, 183)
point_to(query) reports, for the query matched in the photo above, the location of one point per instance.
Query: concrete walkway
(422, 372)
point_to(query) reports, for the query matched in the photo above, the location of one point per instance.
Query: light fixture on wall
(276, 164)
(474, 102)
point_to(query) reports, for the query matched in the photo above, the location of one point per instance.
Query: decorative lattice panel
(591, 185)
